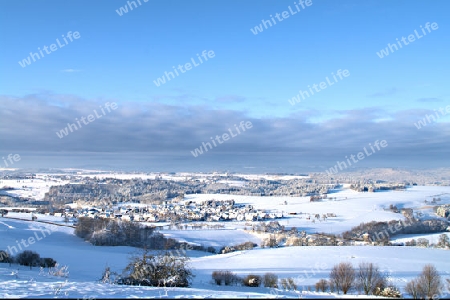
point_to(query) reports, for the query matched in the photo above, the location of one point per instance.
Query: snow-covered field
(306, 264)
(212, 237)
(86, 263)
(351, 207)
(32, 188)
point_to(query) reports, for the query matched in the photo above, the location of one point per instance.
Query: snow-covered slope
(86, 263)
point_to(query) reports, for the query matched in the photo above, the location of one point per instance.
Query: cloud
(148, 127)
(230, 98)
(70, 70)
(429, 100)
(387, 92)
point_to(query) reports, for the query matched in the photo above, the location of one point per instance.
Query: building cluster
(177, 211)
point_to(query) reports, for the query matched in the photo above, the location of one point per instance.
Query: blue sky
(117, 58)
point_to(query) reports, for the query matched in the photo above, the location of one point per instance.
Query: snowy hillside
(86, 263)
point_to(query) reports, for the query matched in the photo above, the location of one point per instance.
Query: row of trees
(443, 242)
(269, 280)
(27, 258)
(110, 232)
(380, 232)
(369, 280)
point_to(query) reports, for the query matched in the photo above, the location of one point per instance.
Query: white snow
(305, 264)
(31, 188)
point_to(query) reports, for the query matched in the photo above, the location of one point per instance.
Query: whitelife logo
(427, 120)
(284, 15)
(90, 118)
(27, 61)
(124, 9)
(225, 137)
(411, 38)
(323, 85)
(11, 157)
(187, 66)
(342, 165)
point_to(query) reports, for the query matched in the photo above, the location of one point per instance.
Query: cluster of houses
(178, 211)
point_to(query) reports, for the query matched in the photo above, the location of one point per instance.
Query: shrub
(245, 246)
(252, 280)
(390, 291)
(322, 285)
(227, 249)
(288, 284)
(412, 242)
(292, 284)
(158, 270)
(5, 258)
(270, 242)
(211, 249)
(109, 276)
(225, 277)
(28, 258)
(422, 242)
(217, 277)
(444, 241)
(284, 284)
(294, 241)
(59, 271)
(47, 262)
(270, 280)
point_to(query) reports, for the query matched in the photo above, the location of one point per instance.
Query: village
(174, 211)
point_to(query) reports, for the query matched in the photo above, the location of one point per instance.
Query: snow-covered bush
(157, 270)
(59, 271)
(389, 291)
(252, 280)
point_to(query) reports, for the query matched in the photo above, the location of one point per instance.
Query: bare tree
(270, 280)
(342, 277)
(429, 281)
(369, 278)
(412, 288)
(225, 277)
(321, 285)
(426, 285)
